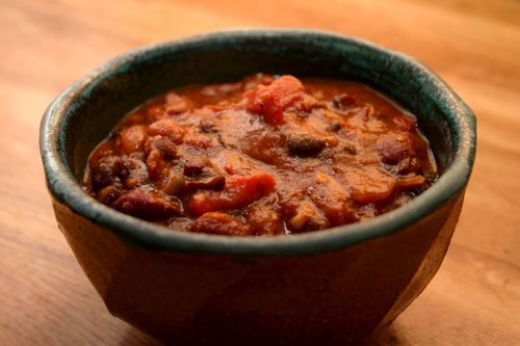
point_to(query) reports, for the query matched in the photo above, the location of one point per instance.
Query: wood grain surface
(45, 299)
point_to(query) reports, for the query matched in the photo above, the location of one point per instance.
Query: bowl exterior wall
(198, 299)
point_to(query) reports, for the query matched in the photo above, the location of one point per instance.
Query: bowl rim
(66, 190)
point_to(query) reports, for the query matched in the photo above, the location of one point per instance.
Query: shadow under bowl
(327, 287)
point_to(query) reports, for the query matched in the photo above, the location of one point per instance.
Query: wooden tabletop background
(474, 45)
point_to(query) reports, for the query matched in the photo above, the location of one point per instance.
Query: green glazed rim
(65, 188)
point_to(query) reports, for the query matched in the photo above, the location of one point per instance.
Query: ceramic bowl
(327, 287)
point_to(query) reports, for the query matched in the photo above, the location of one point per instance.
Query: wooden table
(474, 45)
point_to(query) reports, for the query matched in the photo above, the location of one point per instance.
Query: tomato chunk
(271, 100)
(238, 192)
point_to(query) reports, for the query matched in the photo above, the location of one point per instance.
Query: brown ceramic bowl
(327, 287)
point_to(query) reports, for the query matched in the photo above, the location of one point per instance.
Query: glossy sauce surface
(266, 155)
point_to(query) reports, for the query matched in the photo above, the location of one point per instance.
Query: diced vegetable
(201, 140)
(220, 223)
(161, 155)
(410, 181)
(273, 99)
(265, 220)
(156, 164)
(132, 138)
(370, 185)
(169, 128)
(238, 192)
(307, 217)
(332, 199)
(173, 184)
(268, 147)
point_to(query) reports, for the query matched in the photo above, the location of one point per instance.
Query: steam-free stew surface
(264, 156)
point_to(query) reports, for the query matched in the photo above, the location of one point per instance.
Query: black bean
(305, 144)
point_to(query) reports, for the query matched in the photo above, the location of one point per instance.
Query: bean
(106, 171)
(305, 144)
(149, 205)
(393, 148)
(166, 147)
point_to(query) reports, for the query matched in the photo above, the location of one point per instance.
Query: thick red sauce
(264, 156)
